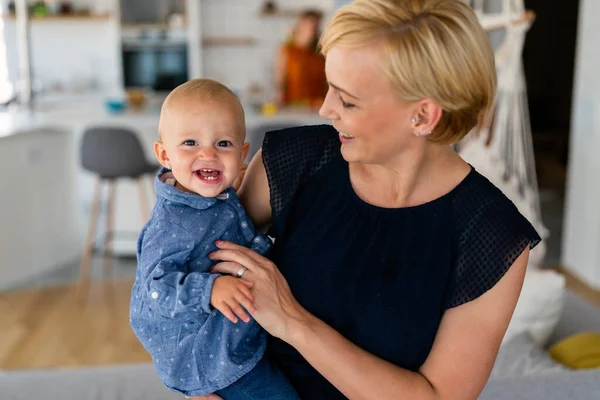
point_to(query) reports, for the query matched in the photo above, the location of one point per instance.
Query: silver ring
(241, 272)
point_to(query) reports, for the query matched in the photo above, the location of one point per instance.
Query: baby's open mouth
(208, 174)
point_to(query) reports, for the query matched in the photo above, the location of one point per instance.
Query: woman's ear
(161, 154)
(426, 117)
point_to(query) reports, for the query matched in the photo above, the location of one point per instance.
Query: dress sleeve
(291, 156)
(492, 234)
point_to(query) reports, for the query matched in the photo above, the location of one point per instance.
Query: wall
(581, 252)
(78, 55)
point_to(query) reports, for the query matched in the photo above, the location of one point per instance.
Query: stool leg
(108, 237)
(88, 248)
(143, 200)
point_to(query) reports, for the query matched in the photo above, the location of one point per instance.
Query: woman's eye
(224, 143)
(344, 104)
(189, 143)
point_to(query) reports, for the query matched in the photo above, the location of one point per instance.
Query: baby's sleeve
(169, 288)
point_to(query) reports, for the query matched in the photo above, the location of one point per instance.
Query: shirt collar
(164, 184)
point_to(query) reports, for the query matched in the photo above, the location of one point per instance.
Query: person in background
(300, 68)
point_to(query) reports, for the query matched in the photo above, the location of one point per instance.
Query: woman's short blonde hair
(432, 49)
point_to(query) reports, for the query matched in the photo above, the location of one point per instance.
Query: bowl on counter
(115, 106)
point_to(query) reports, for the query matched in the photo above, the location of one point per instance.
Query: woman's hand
(276, 307)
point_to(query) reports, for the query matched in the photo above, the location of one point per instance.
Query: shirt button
(154, 295)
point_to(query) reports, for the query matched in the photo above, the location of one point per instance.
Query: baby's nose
(208, 153)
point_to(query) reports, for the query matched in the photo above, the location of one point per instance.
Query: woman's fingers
(231, 268)
(224, 245)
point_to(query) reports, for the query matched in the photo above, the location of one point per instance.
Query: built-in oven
(158, 62)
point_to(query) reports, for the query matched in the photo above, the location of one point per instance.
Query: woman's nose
(326, 111)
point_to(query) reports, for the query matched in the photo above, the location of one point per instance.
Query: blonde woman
(396, 266)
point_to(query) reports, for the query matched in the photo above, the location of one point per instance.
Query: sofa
(139, 382)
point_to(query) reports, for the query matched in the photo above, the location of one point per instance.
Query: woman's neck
(415, 178)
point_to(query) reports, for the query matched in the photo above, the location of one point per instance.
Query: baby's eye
(189, 142)
(224, 143)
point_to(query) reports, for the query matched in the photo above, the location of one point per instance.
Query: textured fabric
(521, 356)
(381, 277)
(195, 349)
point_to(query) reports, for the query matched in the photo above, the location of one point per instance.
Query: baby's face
(203, 144)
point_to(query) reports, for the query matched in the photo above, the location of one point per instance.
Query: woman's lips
(345, 138)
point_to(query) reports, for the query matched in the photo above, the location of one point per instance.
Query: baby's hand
(229, 294)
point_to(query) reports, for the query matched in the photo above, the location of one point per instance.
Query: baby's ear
(161, 154)
(245, 150)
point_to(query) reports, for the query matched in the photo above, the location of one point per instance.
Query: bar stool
(110, 153)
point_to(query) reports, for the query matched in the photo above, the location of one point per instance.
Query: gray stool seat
(111, 153)
(114, 152)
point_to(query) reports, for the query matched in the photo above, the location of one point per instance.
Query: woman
(300, 68)
(396, 266)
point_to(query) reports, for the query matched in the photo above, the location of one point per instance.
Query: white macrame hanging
(502, 149)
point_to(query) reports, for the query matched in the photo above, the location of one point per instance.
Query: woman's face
(306, 31)
(373, 122)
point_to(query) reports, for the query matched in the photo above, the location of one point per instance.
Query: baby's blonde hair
(432, 49)
(205, 89)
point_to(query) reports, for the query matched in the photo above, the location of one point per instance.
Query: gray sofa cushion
(130, 382)
(569, 385)
(521, 356)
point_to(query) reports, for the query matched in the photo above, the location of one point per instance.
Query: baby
(185, 316)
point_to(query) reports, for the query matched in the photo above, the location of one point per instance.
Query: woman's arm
(255, 194)
(458, 365)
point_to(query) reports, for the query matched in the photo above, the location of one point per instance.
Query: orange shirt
(304, 80)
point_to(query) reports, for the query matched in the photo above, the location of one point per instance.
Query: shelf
(281, 12)
(228, 41)
(66, 17)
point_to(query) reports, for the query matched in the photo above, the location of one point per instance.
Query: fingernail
(219, 242)
(211, 255)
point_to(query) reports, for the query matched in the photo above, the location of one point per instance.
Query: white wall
(74, 54)
(38, 207)
(581, 237)
(241, 66)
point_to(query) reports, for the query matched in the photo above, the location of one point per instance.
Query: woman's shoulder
(292, 156)
(302, 143)
(477, 197)
(491, 233)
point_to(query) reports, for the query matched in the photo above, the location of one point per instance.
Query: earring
(414, 120)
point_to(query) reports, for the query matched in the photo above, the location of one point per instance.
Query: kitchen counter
(58, 125)
(76, 113)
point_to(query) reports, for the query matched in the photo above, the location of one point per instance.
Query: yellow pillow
(579, 351)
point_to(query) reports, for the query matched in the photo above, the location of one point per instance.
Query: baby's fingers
(247, 302)
(238, 310)
(226, 311)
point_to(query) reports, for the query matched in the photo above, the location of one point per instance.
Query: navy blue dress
(382, 277)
